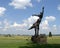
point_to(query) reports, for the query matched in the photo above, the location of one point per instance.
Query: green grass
(24, 42)
(53, 40)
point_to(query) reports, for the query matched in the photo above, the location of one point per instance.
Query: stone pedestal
(42, 39)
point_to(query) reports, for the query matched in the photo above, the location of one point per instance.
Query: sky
(16, 16)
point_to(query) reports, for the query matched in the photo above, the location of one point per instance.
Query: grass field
(24, 42)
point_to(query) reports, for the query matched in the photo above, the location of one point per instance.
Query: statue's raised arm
(41, 13)
(42, 10)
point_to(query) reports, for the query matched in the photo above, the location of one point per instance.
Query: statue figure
(36, 24)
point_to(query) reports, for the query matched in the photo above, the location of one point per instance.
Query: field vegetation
(25, 42)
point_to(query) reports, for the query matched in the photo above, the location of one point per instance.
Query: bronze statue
(36, 24)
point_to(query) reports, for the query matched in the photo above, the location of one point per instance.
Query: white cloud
(58, 7)
(2, 11)
(21, 4)
(23, 27)
(14, 26)
(55, 27)
(19, 25)
(45, 24)
(28, 23)
(50, 18)
(6, 24)
(0, 23)
(31, 20)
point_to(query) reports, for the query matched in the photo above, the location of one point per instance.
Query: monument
(42, 37)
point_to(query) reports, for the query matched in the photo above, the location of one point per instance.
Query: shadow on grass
(41, 46)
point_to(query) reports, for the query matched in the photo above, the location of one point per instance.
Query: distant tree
(50, 34)
(9, 35)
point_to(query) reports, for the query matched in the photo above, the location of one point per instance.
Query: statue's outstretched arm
(35, 15)
(42, 9)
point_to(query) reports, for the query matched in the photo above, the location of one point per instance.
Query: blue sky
(16, 16)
